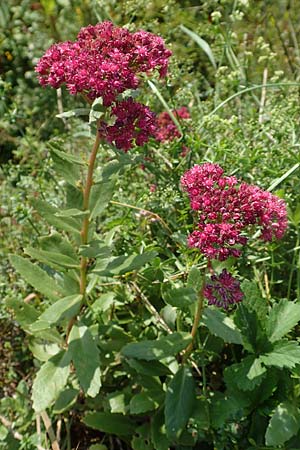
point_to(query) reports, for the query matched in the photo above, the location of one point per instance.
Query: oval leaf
(180, 399)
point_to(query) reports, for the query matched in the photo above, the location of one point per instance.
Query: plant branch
(85, 224)
(49, 429)
(197, 319)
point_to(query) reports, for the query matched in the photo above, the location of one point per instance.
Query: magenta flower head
(224, 290)
(103, 61)
(227, 209)
(134, 124)
(166, 128)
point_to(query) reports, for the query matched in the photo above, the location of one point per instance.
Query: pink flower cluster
(104, 61)
(223, 290)
(166, 128)
(134, 124)
(227, 208)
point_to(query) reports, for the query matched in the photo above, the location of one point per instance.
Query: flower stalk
(196, 322)
(85, 224)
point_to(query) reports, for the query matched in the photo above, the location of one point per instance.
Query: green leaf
(246, 375)
(180, 399)
(85, 356)
(283, 317)
(123, 264)
(284, 424)
(151, 368)
(202, 44)
(65, 400)
(43, 351)
(48, 212)
(158, 432)
(105, 302)
(62, 309)
(142, 439)
(95, 249)
(110, 423)
(37, 277)
(141, 403)
(195, 279)
(180, 297)
(101, 194)
(116, 402)
(69, 171)
(55, 146)
(74, 112)
(223, 408)
(158, 349)
(221, 325)
(200, 415)
(253, 299)
(247, 322)
(50, 381)
(57, 244)
(73, 212)
(55, 260)
(284, 354)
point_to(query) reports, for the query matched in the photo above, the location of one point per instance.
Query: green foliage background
(247, 393)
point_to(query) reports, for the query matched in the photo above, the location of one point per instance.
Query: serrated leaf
(48, 212)
(221, 325)
(181, 297)
(247, 323)
(85, 356)
(50, 381)
(284, 424)
(62, 309)
(202, 44)
(52, 259)
(157, 349)
(101, 194)
(284, 354)
(141, 403)
(246, 375)
(282, 318)
(37, 277)
(253, 299)
(110, 423)
(180, 400)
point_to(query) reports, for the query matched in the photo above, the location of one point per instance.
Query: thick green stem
(197, 319)
(86, 221)
(85, 224)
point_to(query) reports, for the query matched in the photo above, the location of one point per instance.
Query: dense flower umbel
(104, 61)
(227, 208)
(223, 290)
(166, 128)
(134, 124)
